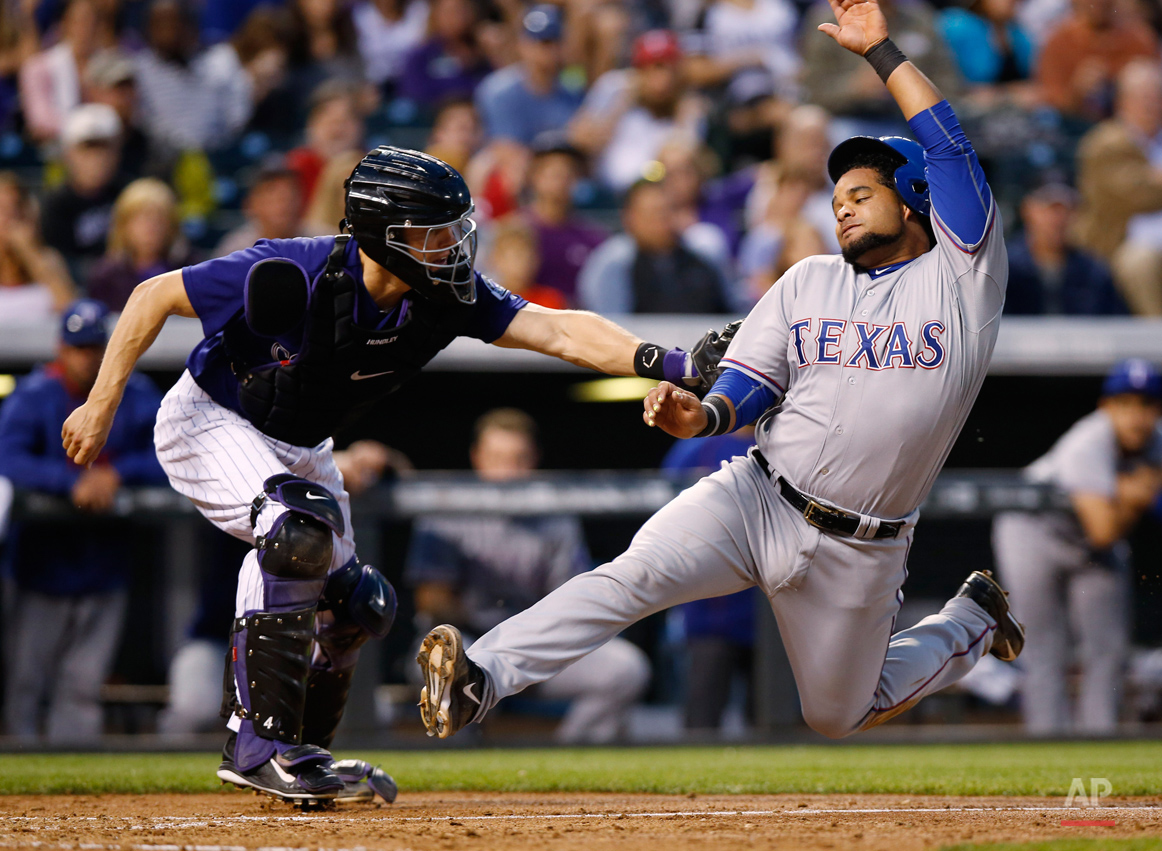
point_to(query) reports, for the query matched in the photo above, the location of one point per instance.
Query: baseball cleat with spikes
(986, 592)
(454, 684)
(302, 775)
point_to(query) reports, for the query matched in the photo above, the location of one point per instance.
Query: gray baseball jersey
(879, 370)
(1068, 594)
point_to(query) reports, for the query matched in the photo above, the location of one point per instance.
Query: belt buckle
(811, 510)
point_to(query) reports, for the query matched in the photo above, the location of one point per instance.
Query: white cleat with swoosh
(454, 685)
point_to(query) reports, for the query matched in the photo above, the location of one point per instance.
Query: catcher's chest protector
(342, 368)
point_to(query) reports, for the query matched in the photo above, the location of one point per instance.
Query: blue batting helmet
(1133, 376)
(910, 175)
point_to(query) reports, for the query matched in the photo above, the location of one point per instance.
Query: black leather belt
(823, 516)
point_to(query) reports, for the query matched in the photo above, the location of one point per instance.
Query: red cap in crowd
(656, 47)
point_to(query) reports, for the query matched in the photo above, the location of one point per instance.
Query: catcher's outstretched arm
(592, 341)
(576, 336)
(85, 431)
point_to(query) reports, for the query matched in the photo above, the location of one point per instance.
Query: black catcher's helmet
(392, 189)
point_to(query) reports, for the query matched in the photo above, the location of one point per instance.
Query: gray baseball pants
(1059, 592)
(835, 600)
(62, 651)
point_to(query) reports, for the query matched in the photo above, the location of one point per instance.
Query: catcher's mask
(392, 195)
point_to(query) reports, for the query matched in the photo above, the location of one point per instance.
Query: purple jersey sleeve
(215, 287)
(495, 308)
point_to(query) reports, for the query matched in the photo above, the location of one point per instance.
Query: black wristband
(717, 416)
(649, 360)
(885, 58)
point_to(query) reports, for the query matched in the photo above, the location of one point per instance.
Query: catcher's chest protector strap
(342, 367)
(269, 658)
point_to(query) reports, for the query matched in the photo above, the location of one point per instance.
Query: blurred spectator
(449, 63)
(260, 48)
(475, 572)
(513, 259)
(323, 45)
(70, 590)
(386, 31)
(685, 165)
(19, 42)
(992, 50)
(145, 240)
(1119, 173)
(566, 239)
(76, 215)
(456, 134)
(34, 279)
(1083, 56)
(190, 99)
(497, 176)
(110, 78)
(649, 269)
(846, 86)
(788, 209)
(719, 632)
(629, 114)
(1039, 18)
(526, 98)
(748, 35)
(597, 34)
(802, 147)
(1068, 571)
(50, 81)
(329, 204)
(334, 127)
(1047, 275)
(784, 236)
(273, 208)
(745, 119)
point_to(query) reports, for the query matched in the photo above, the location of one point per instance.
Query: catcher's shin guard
(269, 656)
(358, 603)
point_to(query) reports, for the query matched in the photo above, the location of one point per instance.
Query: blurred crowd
(627, 156)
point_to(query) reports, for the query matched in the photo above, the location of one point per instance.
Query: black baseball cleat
(363, 783)
(986, 592)
(301, 775)
(454, 686)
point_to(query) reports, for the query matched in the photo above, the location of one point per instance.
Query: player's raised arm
(152, 302)
(960, 195)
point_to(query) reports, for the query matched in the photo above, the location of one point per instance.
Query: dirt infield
(514, 822)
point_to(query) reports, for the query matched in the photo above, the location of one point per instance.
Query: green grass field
(1133, 768)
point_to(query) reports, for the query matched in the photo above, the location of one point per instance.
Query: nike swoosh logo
(468, 690)
(282, 772)
(315, 496)
(359, 376)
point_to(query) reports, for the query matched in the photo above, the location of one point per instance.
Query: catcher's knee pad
(298, 544)
(357, 603)
(268, 661)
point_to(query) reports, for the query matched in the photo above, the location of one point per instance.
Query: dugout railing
(598, 497)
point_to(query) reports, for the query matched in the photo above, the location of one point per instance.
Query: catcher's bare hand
(675, 411)
(85, 432)
(859, 24)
